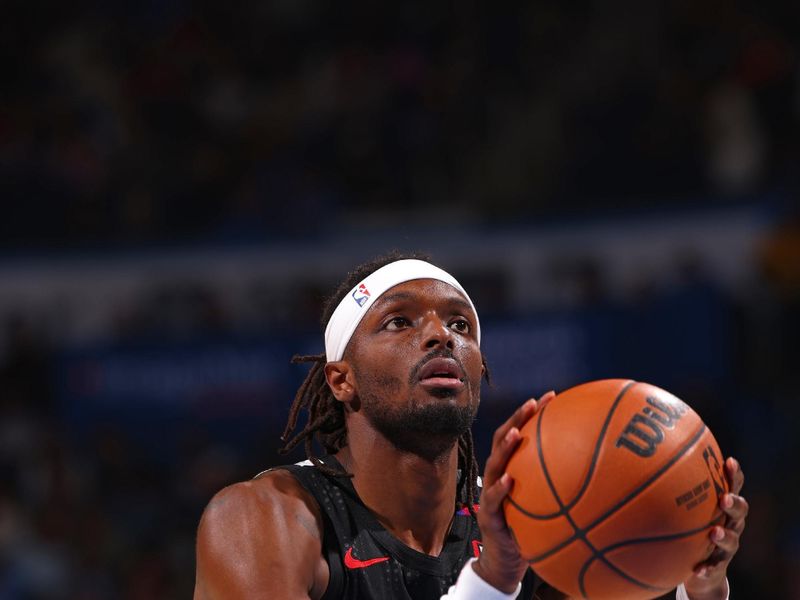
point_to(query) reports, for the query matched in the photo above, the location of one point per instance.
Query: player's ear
(341, 380)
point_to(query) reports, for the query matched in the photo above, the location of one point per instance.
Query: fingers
(492, 502)
(726, 539)
(735, 508)
(501, 453)
(733, 471)
(545, 399)
(507, 437)
(727, 543)
(520, 416)
(523, 413)
(733, 505)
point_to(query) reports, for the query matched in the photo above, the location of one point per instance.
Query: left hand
(500, 564)
(709, 577)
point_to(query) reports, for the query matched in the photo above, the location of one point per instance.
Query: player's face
(417, 363)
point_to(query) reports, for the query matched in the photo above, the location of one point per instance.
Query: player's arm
(261, 539)
(500, 563)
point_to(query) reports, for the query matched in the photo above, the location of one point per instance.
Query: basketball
(616, 487)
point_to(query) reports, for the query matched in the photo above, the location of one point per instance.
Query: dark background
(615, 183)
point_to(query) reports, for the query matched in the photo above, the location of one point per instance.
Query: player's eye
(460, 325)
(396, 323)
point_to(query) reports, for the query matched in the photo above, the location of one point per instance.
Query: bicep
(259, 539)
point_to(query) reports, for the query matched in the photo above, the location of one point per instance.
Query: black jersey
(367, 562)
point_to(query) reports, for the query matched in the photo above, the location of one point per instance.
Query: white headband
(356, 303)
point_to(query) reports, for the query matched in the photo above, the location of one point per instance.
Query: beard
(426, 429)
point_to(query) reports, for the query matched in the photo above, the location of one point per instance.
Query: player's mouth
(441, 374)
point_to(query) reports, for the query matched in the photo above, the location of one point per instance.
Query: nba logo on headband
(361, 294)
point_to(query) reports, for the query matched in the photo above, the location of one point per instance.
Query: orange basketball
(616, 487)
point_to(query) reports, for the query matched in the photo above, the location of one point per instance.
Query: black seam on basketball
(617, 570)
(580, 533)
(599, 443)
(553, 550)
(664, 468)
(564, 509)
(592, 464)
(660, 538)
(532, 515)
(540, 455)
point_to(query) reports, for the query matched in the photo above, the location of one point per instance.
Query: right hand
(500, 564)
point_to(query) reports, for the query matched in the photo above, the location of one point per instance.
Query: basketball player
(390, 510)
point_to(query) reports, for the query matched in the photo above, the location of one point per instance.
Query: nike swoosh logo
(351, 562)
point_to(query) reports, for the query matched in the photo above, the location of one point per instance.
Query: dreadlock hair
(326, 422)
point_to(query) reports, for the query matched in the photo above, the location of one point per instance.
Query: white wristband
(680, 593)
(470, 586)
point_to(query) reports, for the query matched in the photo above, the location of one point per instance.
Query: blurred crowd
(173, 120)
(123, 125)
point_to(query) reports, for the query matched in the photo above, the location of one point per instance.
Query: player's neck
(412, 497)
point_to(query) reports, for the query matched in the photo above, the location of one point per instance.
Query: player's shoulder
(270, 495)
(240, 530)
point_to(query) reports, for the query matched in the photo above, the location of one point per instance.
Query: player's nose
(435, 333)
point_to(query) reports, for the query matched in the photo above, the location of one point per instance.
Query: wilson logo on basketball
(645, 430)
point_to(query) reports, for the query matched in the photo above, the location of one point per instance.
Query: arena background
(616, 183)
